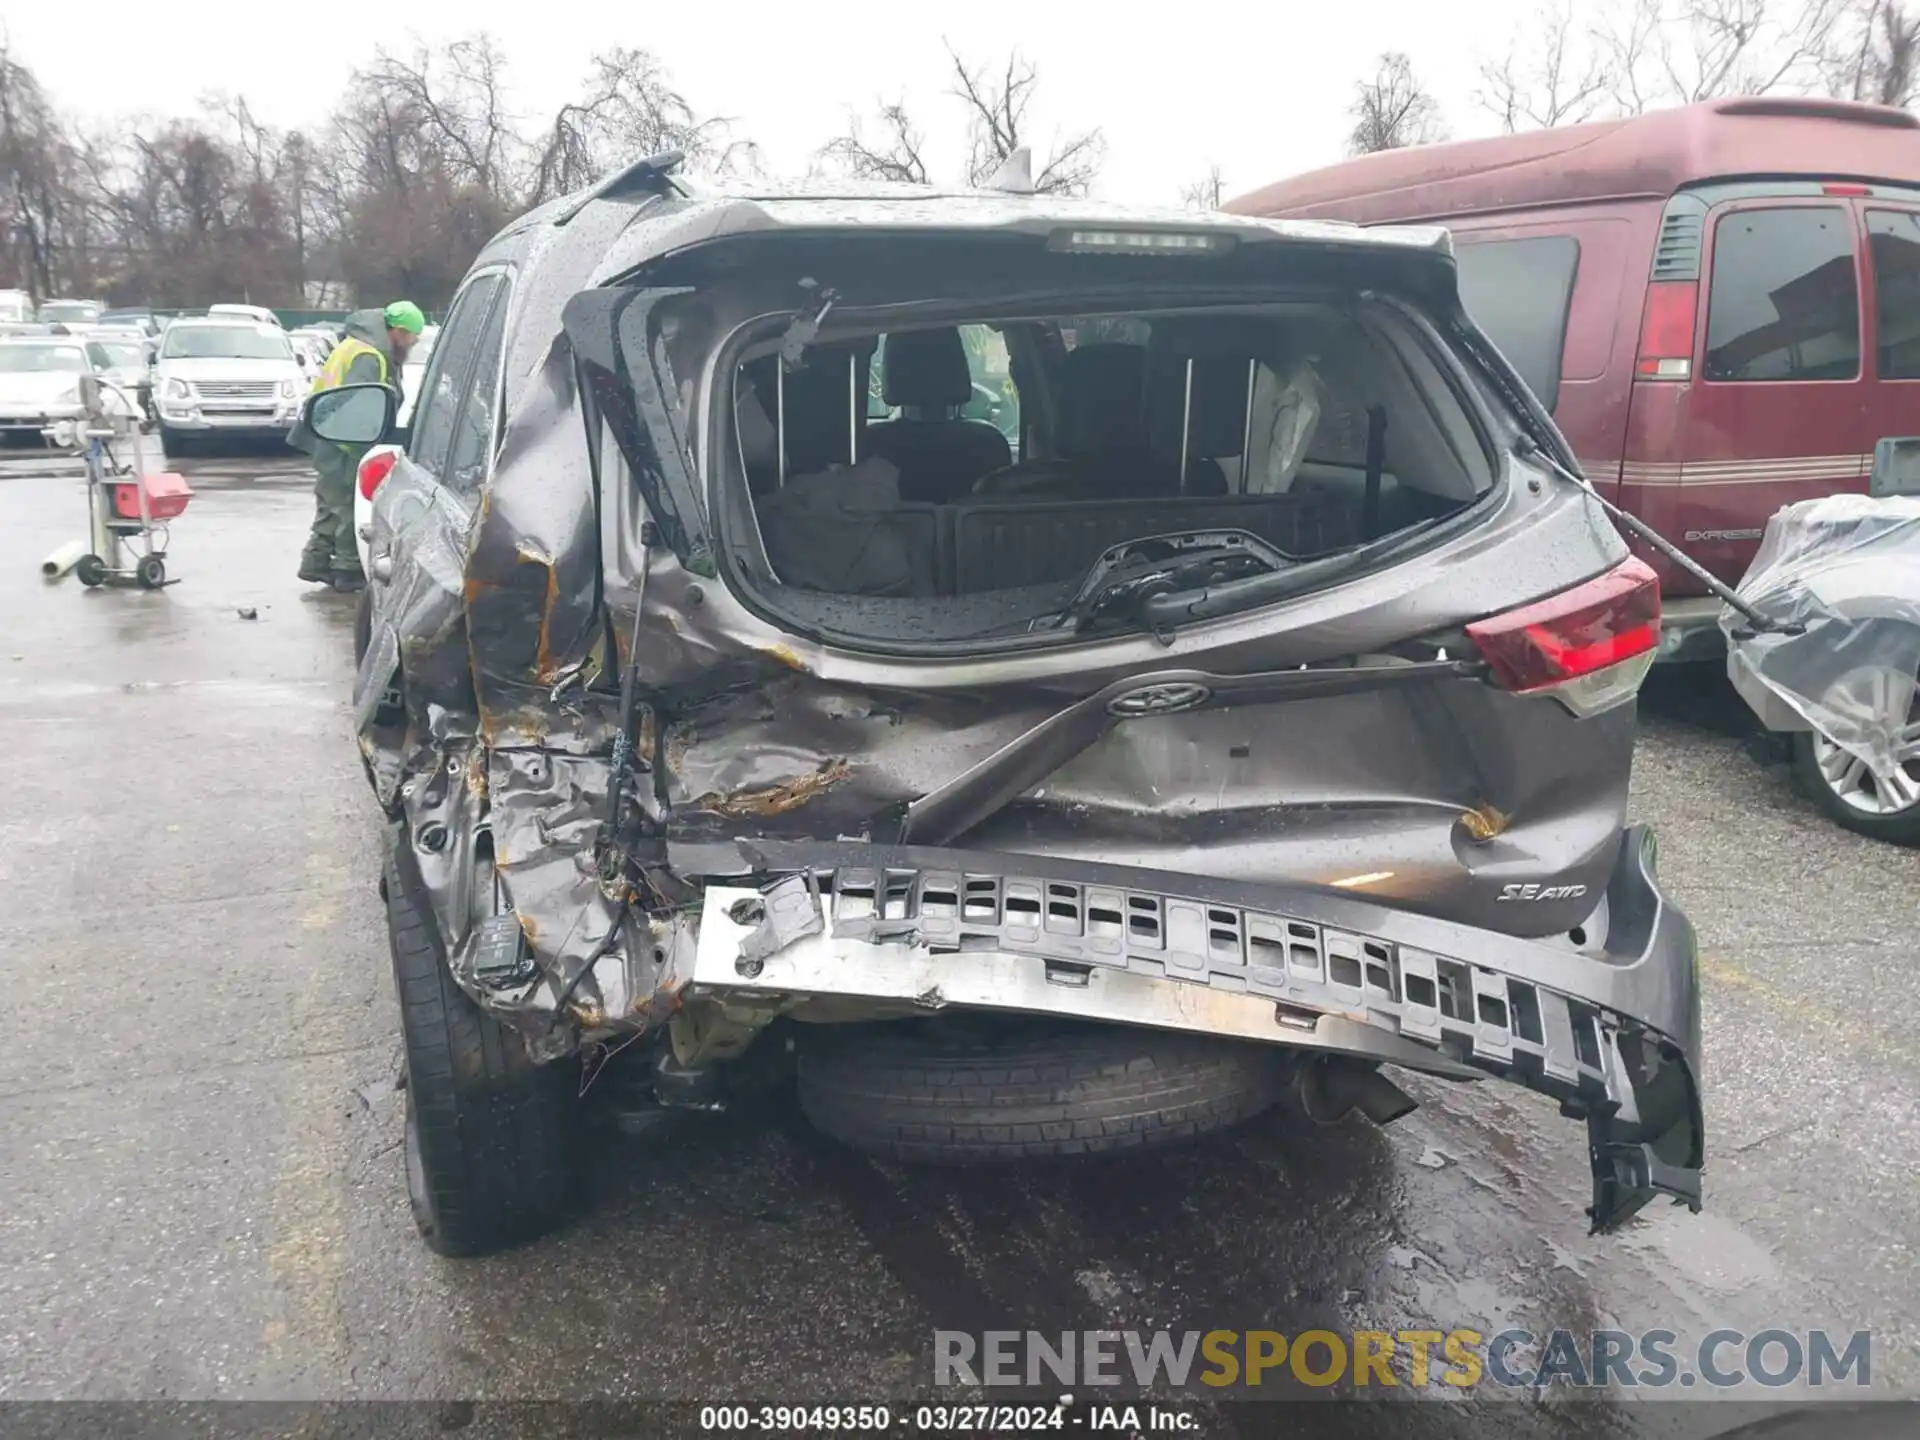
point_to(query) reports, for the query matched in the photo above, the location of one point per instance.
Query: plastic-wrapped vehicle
(1253, 707)
(1839, 578)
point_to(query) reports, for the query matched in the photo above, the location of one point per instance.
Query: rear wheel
(489, 1134)
(1845, 787)
(151, 572)
(91, 571)
(1869, 672)
(987, 1090)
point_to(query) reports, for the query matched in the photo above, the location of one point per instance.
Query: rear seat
(998, 545)
(1057, 516)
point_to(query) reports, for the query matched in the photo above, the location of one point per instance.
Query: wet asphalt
(200, 1183)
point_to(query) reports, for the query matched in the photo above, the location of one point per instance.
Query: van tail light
(375, 469)
(1666, 331)
(1588, 647)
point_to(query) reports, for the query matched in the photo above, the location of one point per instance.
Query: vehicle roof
(601, 238)
(711, 215)
(230, 322)
(1643, 157)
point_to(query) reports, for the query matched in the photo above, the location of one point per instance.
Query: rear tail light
(1588, 647)
(375, 469)
(1666, 331)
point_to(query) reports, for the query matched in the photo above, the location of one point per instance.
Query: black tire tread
(1068, 1090)
(494, 1128)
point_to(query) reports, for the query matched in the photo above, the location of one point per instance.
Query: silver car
(226, 377)
(42, 382)
(126, 362)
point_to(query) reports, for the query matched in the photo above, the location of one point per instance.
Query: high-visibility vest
(334, 372)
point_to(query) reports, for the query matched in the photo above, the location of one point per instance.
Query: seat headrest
(926, 368)
(1102, 398)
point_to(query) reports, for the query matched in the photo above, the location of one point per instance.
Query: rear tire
(994, 1090)
(1872, 666)
(489, 1138)
(91, 571)
(151, 572)
(1899, 827)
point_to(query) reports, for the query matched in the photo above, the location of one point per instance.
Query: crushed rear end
(1294, 706)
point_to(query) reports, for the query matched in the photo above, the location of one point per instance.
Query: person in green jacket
(375, 347)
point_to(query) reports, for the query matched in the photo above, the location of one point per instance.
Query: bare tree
(997, 103)
(630, 109)
(1678, 52)
(423, 160)
(897, 154)
(1875, 54)
(1559, 76)
(1206, 193)
(1392, 110)
(37, 203)
(459, 104)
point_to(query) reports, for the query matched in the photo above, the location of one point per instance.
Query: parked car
(1684, 291)
(225, 377)
(42, 382)
(138, 318)
(127, 363)
(318, 338)
(259, 314)
(75, 313)
(1834, 680)
(414, 370)
(1215, 747)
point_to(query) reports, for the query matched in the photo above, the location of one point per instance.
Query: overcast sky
(1261, 90)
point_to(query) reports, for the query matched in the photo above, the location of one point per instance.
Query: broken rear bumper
(1610, 1029)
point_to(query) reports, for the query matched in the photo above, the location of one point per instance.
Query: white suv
(225, 377)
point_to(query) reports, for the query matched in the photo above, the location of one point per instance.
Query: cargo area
(953, 461)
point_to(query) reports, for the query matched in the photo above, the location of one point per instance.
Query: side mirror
(1896, 467)
(351, 414)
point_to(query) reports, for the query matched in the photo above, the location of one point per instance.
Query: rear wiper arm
(1128, 576)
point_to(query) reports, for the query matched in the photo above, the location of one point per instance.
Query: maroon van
(1720, 304)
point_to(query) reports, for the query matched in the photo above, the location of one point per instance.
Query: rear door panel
(1781, 405)
(1893, 310)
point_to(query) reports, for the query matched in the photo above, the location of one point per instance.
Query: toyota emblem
(1159, 699)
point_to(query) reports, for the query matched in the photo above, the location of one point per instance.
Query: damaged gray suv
(1052, 677)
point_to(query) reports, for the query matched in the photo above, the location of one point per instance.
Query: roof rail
(647, 175)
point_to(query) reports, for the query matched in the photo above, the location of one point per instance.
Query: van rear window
(1518, 292)
(1785, 302)
(1895, 239)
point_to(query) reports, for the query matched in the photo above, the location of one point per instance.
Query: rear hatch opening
(1037, 475)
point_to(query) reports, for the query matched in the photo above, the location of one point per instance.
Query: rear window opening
(962, 480)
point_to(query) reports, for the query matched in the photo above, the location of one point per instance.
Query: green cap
(405, 315)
